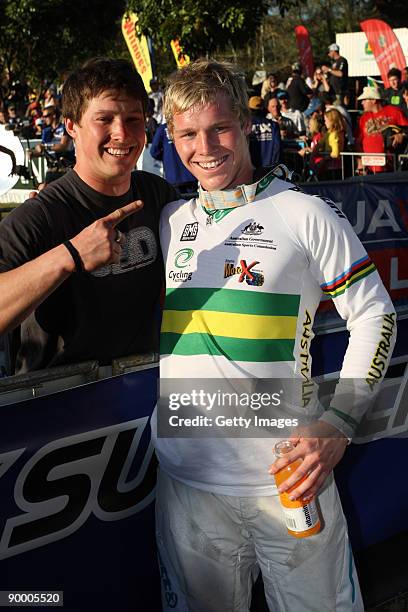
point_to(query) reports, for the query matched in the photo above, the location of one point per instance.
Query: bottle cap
(282, 448)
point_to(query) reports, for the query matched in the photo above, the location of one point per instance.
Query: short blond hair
(199, 83)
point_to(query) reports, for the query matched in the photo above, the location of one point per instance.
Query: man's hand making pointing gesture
(101, 243)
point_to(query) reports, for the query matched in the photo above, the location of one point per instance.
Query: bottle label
(301, 518)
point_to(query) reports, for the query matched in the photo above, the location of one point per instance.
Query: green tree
(40, 38)
(203, 26)
(395, 13)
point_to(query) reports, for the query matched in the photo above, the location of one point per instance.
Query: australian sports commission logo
(253, 229)
(246, 272)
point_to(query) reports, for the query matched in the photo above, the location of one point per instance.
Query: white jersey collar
(242, 194)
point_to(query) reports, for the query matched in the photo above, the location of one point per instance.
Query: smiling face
(213, 145)
(394, 82)
(108, 141)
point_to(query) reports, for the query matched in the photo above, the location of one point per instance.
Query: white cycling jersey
(243, 285)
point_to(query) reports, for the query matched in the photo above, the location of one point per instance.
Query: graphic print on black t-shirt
(102, 315)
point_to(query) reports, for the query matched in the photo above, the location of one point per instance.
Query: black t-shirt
(339, 84)
(298, 93)
(102, 315)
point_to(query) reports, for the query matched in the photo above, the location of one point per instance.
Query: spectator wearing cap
(370, 134)
(393, 93)
(337, 73)
(264, 139)
(299, 93)
(314, 110)
(156, 94)
(296, 116)
(287, 128)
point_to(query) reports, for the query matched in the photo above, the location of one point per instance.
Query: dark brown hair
(96, 76)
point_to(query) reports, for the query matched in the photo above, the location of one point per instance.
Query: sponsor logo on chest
(246, 272)
(251, 235)
(181, 261)
(190, 232)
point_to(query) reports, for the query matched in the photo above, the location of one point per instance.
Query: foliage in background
(323, 18)
(42, 38)
(203, 26)
(256, 35)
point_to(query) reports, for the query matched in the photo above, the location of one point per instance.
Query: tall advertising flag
(384, 45)
(138, 47)
(305, 50)
(181, 58)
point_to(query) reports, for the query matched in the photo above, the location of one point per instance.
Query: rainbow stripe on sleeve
(361, 268)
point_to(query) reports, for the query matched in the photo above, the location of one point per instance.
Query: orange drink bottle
(301, 517)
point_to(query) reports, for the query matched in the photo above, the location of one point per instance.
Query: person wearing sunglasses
(54, 137)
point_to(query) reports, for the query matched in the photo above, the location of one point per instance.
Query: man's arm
(24, 288)
(344, 271)
(402, 122)
(337, 72)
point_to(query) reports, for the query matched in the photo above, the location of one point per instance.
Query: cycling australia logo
(190, 232)
(247, 273)
(181, 261)
(182, 257)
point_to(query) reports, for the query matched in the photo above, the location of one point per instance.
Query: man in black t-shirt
(299, 93)
(337, 72)
(80, 266)
(393, 93)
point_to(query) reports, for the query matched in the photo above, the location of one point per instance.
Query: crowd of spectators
(306, 123)
(320, 118)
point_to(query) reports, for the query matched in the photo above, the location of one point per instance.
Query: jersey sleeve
(346, 274)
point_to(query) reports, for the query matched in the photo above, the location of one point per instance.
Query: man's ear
(247, 127)
(70, 126)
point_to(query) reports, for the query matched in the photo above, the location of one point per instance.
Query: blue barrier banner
(77, 478)
(378, 211)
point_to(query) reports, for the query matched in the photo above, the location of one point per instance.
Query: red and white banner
(305, 50)
(384, 45)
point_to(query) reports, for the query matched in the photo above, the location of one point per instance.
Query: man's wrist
(75, 256)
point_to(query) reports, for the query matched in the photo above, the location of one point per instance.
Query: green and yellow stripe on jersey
(239, 325)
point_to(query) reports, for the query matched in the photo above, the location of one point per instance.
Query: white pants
(211, 548)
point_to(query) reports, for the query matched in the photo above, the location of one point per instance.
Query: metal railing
(374, 160)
